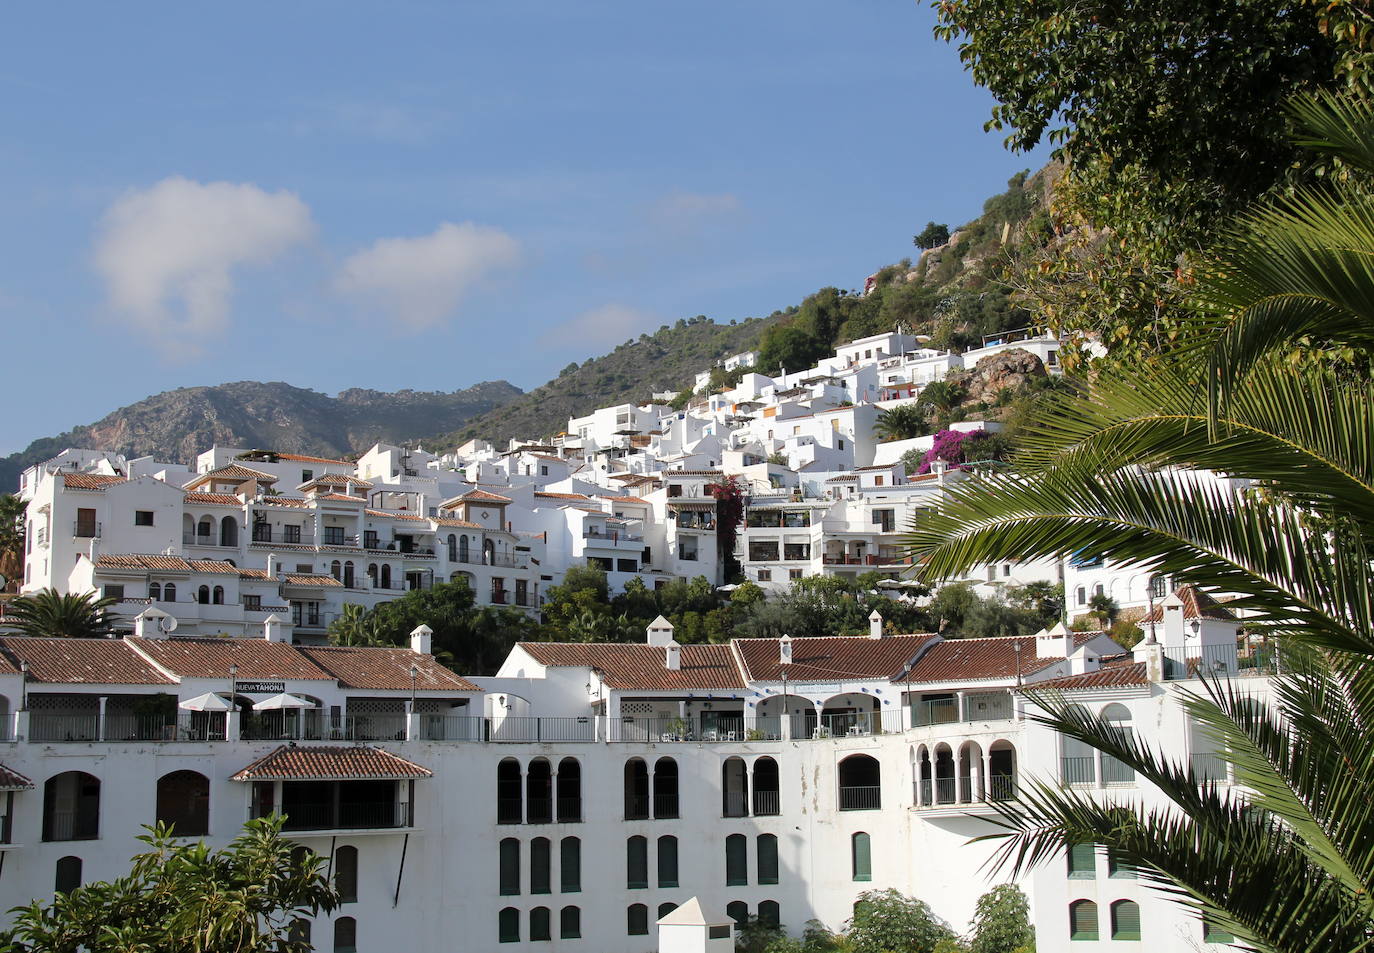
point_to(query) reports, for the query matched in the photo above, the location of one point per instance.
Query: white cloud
(166, 254)
(420, 281)
(688, 211)
(600, 328)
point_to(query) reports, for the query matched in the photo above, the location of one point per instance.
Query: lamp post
(1016, 646)
(23, 685)
(233, 684)
(414, 674)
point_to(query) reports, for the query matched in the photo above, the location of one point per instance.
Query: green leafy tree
(467, 638)
(355, 626)
(886, 921)
(12, 513)
(186, 897)
(940, 396)
(932, 236)
(1001, 922)
(1283, 866)
(902, 422)
(55, 615)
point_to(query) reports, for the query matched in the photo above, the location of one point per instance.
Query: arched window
(541, 865)
(348, 574)
(770, 913)
(860, 783)
(637, 920)
(183, 801)
(667, 861)
(665, 788)
(539, 792)
(346, 874)
(540, 924)
(1001, 771)
(488, 552)
(766, 797)
(736, 860)
(228, 531)
(299, 932)
(71, 807)
(766, 847)
(1113, 771)
(570, 865)
(1082, 920)
(637, 863)
(509, 803)
(636, 790)
(463, 556)
(386, 579)
(738, 911)
(218, 597)
(510, 867)
(204, 531)
(861, 857)
(1078, 761)
(665, 908)
(570, 923)
(1081, 596)
(68, 874)
(452, 548)
(155, 591)
(569, 791)
(734, 788)
(203, 595)
(509, 925)
(372, 574)
(1125, 920)
(345, 935)
(336, 570)
(169, 592)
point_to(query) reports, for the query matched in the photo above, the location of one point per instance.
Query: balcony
(86, 529)
(963, 795)
(57, 728)
(613, 539)
(287, 535)
(860, 797)
(342, 814)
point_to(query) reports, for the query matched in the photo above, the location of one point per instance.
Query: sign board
(260, 688)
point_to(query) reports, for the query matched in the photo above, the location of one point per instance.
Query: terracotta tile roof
(211, 658)
(842, 478)
(340, 498)
(1122, 672)
(140, 562)
(635, 666)
(11, 780)
(1196, 605)
(233, 472)
(545, 456)
(625, 499)
(311, 579)
(956, 660)
(253, 574)
(691, 473)
(213, 499)
(832, 658)
(463, 524)
(335, 479)
(281, 501)
(299, 458)
(82, 661)
(291, 763)
(388, 514)
(213, 566)
(385, 668)
(482, 496)
(693, 504)
(580, 497)
(879, 466)
(89, 481)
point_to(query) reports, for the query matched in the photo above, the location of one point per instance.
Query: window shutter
(637, 863)
(570, 865)
(1125, 920)
(862, 857)
(768, 859)
(1083, 920)
(541, 865)
(736, 860)
(667, 861)
(510, 867)
(1082, 862)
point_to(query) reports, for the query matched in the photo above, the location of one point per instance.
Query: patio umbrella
(207, 702)
(728, 587)
(281, 701)
(890, 584)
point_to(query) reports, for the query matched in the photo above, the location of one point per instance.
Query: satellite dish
(167, 623)
(3, 582)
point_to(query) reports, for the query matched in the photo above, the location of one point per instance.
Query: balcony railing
(1208, 767)
(72, 825)
(508, 810)
(569, 810)
(452, 728)
(860, 797)
(539, 810)
(636, 807)
(85, 529)
(767, 803)
(1207, 661)
(1078, 770)
(185, 726)
(666, 806)
(612, 537)
(348, 816)
(735, 804)
(536, 730)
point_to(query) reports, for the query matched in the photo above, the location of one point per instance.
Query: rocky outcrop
(995, 373)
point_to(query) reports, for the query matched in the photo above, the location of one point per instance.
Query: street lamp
(23, 685)
(414, 674)
(1016, 646)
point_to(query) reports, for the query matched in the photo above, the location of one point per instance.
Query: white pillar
(960, 697)
(100, 729)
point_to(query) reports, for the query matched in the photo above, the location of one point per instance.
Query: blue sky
(427, 195)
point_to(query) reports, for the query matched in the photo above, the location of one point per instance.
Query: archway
(860, 783)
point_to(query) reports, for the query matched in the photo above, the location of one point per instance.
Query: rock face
(176, 425)
(996, 372)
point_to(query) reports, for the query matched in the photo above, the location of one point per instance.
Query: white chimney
(274, 629)
(271, 565)
(1172, 610)
(875, 625)
(148, 624)
(672, 657)
(422, 639)
(660, 632)
(1054, 643)
(785, 650)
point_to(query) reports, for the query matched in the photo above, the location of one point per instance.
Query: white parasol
(207, 702)
(281, 701)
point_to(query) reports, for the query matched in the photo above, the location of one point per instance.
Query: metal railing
(51, 726)
(945, 790)
(539, 810)
(860, 797)
(184, 726)
(941, 712)
(767, 803)
(452, 728)
(665, 806)
(1200, 661)
(630, 728)
(529, 729)
(1208, 767)
(1114, 772)
(348, 816)
(636, 807)
(1078, 770)
(734, 804)
(72, 825)
(1002, 787)
(508, 810)
(86, 529)
(569, 810)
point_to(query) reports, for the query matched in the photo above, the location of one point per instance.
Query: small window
(541, 861)
(861, 857)
(68, 874)
(767, 848)
(667, 861)
(155, 592)
(718, 933)
(509, 925)
(738, 911)
(510, 867)
(794, 574)
(1082, 920)
(570, 865)
(1082, 862)
(252, 603)
(169, 592)
(736, 860)
(637, 920)
(765, 575)
(570, 923)
(1118, 869)
(541, 924)
(1125, 920)
(307, 476)
(346, 874)
(665, 908)
(770, 913)
(143, 517)
(345, 935)
(112, 592)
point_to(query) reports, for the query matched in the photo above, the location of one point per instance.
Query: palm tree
(1122, 471)
(901, 422)
(55, 615)
(12, 512)
(941, 396)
